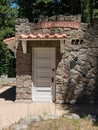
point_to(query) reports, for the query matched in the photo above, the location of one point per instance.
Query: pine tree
(7, 19)
(32, 9)
(7, 23)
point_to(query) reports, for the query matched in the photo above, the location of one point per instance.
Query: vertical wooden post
(62, 44)
(24, 46)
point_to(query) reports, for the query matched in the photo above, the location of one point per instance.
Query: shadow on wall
(84, 92)
(9, 94)
(82, 86)
(86, 102)
(96, 84)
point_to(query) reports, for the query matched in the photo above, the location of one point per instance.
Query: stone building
(56, 60)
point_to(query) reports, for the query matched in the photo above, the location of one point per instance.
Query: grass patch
(63, 124)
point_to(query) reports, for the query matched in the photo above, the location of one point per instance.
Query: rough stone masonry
(76, 67)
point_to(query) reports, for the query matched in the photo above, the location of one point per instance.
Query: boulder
(29, 120)
(72, 116)
(48, 116)
(19, 127)
(91, 118)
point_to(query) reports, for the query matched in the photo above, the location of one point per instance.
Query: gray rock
(82, 51)
(72, 116)
(75, 48)
(90, 76)
(66, 54)
(29, 120)
(72, 101)
(91, 118)
(75, 116)
(83, 57)
(84, 72)
(49, 116)
(19, 127)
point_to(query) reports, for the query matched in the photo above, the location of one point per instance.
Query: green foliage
(85, 10)
(95, 11)
(6, 61)
(33, 9)
(7, 23)
(89, 10)
(7, 20)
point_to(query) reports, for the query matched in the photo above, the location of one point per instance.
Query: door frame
(54, 73)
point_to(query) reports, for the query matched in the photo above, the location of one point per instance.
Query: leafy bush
(7, 61)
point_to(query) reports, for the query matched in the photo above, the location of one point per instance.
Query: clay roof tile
(42, 36)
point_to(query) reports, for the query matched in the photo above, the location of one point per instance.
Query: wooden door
(43, 74)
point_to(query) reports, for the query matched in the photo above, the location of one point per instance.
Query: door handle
(53, 70)
(52, 79)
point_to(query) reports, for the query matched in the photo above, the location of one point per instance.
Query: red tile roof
(43, 36)
(8, 39)
(11, 43)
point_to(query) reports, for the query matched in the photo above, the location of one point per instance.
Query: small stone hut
(57, 60)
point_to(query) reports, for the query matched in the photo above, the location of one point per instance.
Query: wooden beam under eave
(48, 39)
(24, 46)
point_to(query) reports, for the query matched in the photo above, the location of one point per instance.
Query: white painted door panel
(42, 94)
(44, 62)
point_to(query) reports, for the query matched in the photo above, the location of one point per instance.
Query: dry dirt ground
(11, 112)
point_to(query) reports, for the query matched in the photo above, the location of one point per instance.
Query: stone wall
(81, 85)
(23, 77)
(76, 67)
